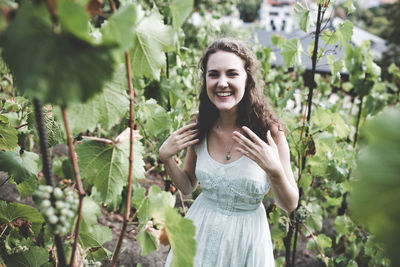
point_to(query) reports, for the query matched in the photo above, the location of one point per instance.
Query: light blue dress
(231, 224)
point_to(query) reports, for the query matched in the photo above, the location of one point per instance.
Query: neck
(227, 120)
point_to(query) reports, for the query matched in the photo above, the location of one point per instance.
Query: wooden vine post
(47, 171)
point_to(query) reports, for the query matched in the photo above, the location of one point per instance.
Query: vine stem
(130, 177)
(316, 244)
(358, 121)
(78, 179)
(314, 59)
(47, 171)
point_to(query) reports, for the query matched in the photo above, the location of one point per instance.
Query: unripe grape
(98, 264)
(69, 199)
(60, 205)
(62, 218)
(48, 189)
(53, 219)
(45, 204)
(49, 212)
(58, 194)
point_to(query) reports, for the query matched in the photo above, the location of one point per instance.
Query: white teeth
(224, 93)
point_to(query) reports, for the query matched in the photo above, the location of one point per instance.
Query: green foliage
(375, 195)
(47, 65)
(22, 167)
(302, 15)
(291, 52)
(106, 168)
(151, 40)
(180, 10)
(105, 109)
(8, 136)
(13, 211)
(34, 257)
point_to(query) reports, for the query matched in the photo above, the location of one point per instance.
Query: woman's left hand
(265, 155)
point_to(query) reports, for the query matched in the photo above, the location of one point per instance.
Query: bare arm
(185, 180)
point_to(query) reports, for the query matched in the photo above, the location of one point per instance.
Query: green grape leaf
(106, 167)
(315, 219)
(57, 68)
(291, 52)
(329, 37)
(8, 137)
(278, 40)
(344, 33)
(73, 19)
(323, 242)
(20, 167)
(97, 237)
(302, 15)
(12, 211)
(120, 27)
(105, 108)
(152, 39)
(89, 215)
(156, 119)
(34, 257)
(147, 241)
(335, 66)
(138, 196)
(181, 232)
(180, 10)
(27, 187)
(350, 6)
(375, 196)
(342, 130)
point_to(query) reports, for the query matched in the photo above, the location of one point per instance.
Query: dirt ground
(130, 256)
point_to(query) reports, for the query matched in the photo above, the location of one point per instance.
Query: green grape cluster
(302, 213)
(90, 263)
(66, 204)
(18, 249)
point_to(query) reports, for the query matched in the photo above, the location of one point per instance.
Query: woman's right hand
(178, 140)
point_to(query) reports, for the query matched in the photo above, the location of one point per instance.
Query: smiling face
(225, 80)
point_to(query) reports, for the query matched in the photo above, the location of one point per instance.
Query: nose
(222, 82)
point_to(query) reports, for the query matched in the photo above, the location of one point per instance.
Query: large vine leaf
(180, 10)
(34, 257)
(12, 211)
(89, 215)
(57, 68)
(302, 15)
(105, 108)
(291, 52)
(155, 118)
(97, 237)
(375, 196)
(120, 27)
(106, 167)
(152, 39)
(19, 166)
(147, 241)
(8, 137)
(181, 232)
(73, 19)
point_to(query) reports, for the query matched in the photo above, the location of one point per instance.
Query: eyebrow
(229, 70)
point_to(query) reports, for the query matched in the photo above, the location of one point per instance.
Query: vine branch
(78, 179)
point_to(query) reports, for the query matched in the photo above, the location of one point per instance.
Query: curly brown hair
(253, 110)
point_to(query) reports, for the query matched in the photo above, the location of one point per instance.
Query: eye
(212, 74)
(233, 74)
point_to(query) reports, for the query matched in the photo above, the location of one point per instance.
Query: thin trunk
(47, 172)
(130, 177)
(78, 179)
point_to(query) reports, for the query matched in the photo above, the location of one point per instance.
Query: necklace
(228, 151)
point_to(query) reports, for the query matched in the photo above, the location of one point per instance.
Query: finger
(252, 135)
(270, 140)
(245, 152)
(185, 128)
(190, 143)
(240, 138)
(188, 138)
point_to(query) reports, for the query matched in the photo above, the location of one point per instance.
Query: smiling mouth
(223, 94)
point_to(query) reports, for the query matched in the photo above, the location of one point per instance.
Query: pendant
(228, 155)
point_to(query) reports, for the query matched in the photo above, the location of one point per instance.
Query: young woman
(237, 150)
